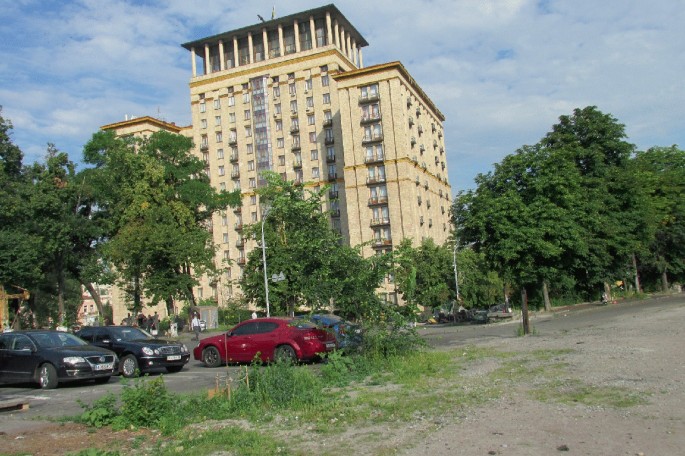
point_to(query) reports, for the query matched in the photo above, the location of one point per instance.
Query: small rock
(562, 448)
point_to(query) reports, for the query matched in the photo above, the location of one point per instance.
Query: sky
(501, 71)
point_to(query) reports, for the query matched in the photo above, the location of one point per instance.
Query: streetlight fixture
(265, 213)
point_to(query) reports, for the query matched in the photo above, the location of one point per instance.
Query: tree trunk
(545, 294)
(637, 276)
(60, 292)
(95, 294)
(170, 310)
(524, 311)
(664, 280)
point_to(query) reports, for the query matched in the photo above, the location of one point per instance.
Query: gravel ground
(643, 355)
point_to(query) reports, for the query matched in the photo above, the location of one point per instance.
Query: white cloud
(502, 71)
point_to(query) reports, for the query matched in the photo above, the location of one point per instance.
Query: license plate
(330, 345)
(173, 357)
(103, 367)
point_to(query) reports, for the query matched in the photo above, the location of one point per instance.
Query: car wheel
(211, 357)
(285, 353)
(129, 366)
(102, 380)
(174, 369)
(47, 376)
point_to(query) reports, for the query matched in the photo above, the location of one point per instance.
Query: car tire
(47, 376)
(285, 353)
(211, 357)
(174, 369)
(102, 380)
(129, 366)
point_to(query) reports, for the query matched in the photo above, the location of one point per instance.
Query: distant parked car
(138, 350)
(268, 338)
(347, 334)
(52, 357)
(500, 311)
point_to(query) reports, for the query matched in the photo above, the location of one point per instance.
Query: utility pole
(265, 213)
(524, 311)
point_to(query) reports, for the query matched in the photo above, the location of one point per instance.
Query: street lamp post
(454, 263)
(265, 213)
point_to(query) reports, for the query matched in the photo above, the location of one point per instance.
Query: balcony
(234, 157)
(235, 174)
(238, 210)
(422, 148)
(329, 140)
(369, 98)
(240, 243)
(411, 121)
(330, 158)
(238, 226)
(415, 160)
(374, 159)
(418, 111)
(435, 144)
(412, 141)
(409, 102)
(333, 194)
(232, 141)
(335, 213)
(442, 150)
(418, 181)
(440, 134)
(380, 221)
(381, 242)
(328, 122)
(297, 163)
(204, 147)
(420, 130)
(332, 176)
(294, 129)
(368, 118)
(242, 261)
(295, 146)
(375, 180)
(376, 137)
(376, 200)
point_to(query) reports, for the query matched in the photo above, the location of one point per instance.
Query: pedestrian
(195, 324)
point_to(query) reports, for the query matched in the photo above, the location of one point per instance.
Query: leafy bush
(144, 404)
(101, 412)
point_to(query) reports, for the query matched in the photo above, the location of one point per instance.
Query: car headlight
(148, 351)
(74, 360)
(184, 349)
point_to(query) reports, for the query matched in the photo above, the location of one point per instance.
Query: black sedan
(52, 357)
(137, 349)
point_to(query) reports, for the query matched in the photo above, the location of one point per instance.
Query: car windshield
(56, 339)
(302, 324)
(129, 333)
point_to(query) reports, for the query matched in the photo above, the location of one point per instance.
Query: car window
(127, 333)
(302, 324)
(21, 342)
(266, 327)
(86, 334)
(248, 328)
(57, 339)
(5, 342)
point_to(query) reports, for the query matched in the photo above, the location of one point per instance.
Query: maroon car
(269, 338)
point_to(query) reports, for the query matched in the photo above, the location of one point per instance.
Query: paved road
(195, 377)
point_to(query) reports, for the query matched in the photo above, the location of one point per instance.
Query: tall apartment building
(291, 95)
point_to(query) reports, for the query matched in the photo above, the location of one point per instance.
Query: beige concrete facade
(291, 95)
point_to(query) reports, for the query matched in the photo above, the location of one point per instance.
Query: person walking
(195, 323)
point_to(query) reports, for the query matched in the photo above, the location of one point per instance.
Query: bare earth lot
(640, 356)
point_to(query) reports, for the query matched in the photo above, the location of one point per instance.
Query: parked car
(137, 349)
(268, 338)
(347, 335)
(500, 311)
(52, 357)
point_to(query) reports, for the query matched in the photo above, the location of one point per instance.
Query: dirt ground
(643, 355)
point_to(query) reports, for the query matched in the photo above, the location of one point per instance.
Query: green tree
(159, 202)
(301, 244)
(661, 170)
(561, 210)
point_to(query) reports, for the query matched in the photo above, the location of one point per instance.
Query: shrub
(144, 404)
(101, 412)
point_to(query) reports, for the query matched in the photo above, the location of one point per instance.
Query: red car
(270, 338)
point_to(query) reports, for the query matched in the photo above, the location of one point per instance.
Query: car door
(240, 345)
(20, 360)
(6, 341)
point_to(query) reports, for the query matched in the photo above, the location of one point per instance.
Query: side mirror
(229, 334)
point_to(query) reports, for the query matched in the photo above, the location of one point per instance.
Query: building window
(203, 123)
(370, 91)
(280, 143)
(254, 216)
(324, 80)
(224, 220)
(249, 148)
(326, 98)
(217, 103)
(277, 91)
(250, 165)
(293, 106)
(315, 173)
(252, 182)
(248, 131)
(225, 238)
(231, 100)
(220, 154)
(231, 117)
(281, 160)
(312, 136)
(310, 102)
(314, 155)
(217, 121)
(236, 184)
(247, 114)
(308, 84)
(204, 143)
(222, 186)
(277, 108)
(246, 97)
(253, 200)
(292, 89)
(328, 134)
(279, 125)
(219, 137)
(310, 119)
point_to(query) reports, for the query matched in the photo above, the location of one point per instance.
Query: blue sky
(502, 71)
